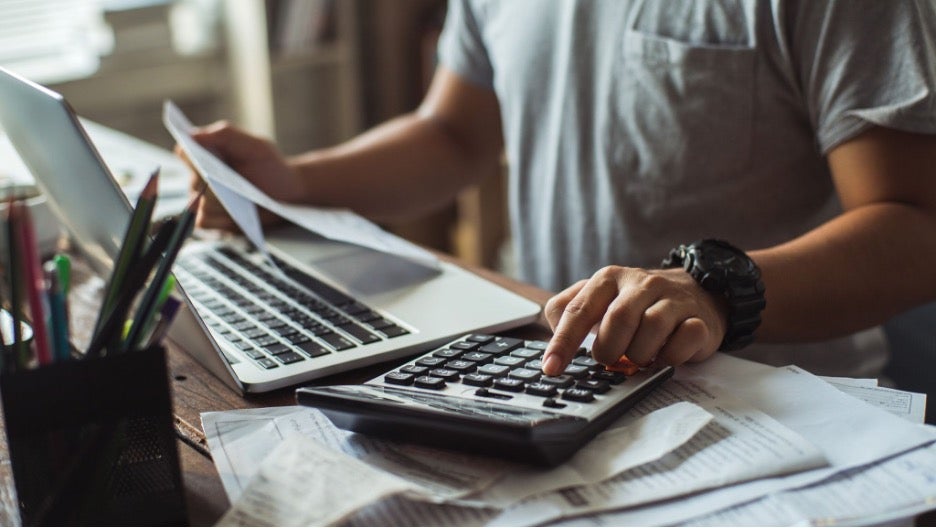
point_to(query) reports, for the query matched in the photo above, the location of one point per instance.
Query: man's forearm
(400, 169)
(851, 273)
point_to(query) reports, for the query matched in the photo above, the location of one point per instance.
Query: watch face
(716, 257)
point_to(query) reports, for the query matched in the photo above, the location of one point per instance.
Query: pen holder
(91, 442)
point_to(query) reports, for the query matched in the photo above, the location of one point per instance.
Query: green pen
(63, 267)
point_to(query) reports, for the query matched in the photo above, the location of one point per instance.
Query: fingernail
(551, 364)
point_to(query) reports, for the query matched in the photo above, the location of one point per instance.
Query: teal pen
(58, 318)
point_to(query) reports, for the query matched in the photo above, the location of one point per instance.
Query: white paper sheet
(910, 406)
(238, 440)
(851, 433)
(239, 196)
(893, 489)
(302, 483)
(627, 444)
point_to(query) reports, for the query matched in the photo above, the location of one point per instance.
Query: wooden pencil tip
(152, 185)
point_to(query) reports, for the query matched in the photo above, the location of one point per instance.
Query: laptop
(325, 308)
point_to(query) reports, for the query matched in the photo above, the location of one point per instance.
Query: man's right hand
(254, 158)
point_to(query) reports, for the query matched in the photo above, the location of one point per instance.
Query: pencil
(147, 308)
(132, 245)
(113, 320)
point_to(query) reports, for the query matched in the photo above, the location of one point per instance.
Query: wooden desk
(195, 390)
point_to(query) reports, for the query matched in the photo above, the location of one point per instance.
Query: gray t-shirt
(633, 126)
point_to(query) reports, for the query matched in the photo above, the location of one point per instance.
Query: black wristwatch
(725, 270)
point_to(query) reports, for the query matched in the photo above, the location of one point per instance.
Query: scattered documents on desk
(770, 426)
(239, 197)
(239, 439)
(850, 433)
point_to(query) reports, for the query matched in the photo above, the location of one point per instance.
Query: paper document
(893, 489)
(239, 439)
(302, 483)
(741, 444)
(850, 433)
(910, 406)
(239, 197)
(631, 442)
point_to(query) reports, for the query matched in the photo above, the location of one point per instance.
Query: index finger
(582, 313)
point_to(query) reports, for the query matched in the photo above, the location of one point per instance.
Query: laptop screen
(46, 133)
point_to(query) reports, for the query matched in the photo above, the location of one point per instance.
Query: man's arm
(874, 260)
(407, 166)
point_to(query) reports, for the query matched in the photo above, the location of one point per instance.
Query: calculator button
(599, 386)
(464, 345)
(578, 395)
(586, 362)
(478, 380)
(481, 338)
(614, 378)
(542, 389)
(509, 384)
(415, 369)
(536, 345)
(485, 393)
(525, 375)
(562, 381)
(399, 378)
(576, 371)
(447, 353)
(493, 370)
(536, 364)
(526, 353)
(477, 357)
(431, 362)
(501, 346)
(461, 365)
(551, 402)
(509, 361)
(430, 382)
(446, 374)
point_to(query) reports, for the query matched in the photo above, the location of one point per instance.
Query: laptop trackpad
(369, 272)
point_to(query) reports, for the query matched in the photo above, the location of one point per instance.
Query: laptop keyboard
(274, 320)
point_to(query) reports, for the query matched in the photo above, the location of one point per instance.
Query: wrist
(732, 278)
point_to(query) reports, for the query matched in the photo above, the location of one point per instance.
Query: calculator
(487, 394)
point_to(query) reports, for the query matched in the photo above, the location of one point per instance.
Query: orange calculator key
(625, 366)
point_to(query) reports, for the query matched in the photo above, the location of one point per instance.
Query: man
(801, 132)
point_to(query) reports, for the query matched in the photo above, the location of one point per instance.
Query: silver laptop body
(422, 309)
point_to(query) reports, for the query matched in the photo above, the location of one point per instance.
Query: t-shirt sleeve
(865, 63)
(461, 46)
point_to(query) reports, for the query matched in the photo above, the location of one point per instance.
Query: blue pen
(58, 319)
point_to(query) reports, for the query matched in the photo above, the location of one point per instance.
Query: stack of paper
(727, 441)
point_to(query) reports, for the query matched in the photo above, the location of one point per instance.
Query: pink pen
(35, 282)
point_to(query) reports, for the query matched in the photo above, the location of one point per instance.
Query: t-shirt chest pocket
(685, 111)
